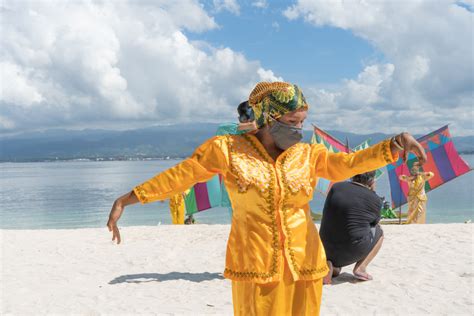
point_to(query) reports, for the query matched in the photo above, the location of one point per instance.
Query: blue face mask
(285, 135)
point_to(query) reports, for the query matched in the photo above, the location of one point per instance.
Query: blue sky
(364, 66)
(295, 50)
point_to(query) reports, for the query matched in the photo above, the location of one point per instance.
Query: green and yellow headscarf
(275, 99)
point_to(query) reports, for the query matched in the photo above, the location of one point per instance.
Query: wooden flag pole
(399, 215)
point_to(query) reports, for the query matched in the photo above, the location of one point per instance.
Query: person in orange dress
(274, 257)
(416, 194)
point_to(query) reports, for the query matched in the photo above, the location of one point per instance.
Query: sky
(364, 65)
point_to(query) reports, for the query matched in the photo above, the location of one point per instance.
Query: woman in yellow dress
(177, 208)
(274, 256)
(416, 194)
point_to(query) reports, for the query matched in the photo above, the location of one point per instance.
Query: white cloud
(262, 4)
(82, 63)
(268, 75)
(228, 5)
(16, 87)
(429, 77)
(276, 25)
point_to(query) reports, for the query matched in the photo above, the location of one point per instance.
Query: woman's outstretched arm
(117, 210)
(341, 166)
(209, 159)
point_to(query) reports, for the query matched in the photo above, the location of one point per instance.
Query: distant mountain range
(161, 142)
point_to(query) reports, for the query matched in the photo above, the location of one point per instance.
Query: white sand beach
(421, 270)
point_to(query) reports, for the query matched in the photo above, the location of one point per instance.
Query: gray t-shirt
(349, 213)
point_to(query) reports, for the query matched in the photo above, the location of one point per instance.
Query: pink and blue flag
(206, 195)
(443, 160)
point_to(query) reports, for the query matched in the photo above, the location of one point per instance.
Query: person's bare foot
(328, 278)
(336, 271)
(362, 275)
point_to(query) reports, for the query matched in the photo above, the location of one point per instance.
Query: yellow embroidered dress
(272, 237)
(177, 209)
(417, 197)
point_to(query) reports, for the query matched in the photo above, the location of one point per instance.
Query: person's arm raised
(341, 166)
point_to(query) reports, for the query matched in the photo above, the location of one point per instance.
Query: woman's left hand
(114, 216)
(410, 144)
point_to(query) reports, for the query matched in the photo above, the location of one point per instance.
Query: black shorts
(345, 254)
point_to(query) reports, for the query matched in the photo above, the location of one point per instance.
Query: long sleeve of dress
(341, 166)
(209, 159)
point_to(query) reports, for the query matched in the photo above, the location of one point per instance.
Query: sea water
(73, 194)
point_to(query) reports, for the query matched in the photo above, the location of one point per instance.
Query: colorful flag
(443, 160)
(205, 195)
(365, 144)
(330, 142)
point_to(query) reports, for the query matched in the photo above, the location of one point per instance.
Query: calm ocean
(80, 194)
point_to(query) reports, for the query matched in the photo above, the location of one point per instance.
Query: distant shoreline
(107, 159)
(148, 143)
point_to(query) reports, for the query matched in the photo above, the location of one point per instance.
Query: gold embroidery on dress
(297, 170)
(286, 194)
(141, 194)
(313, 271)
(265, 172)
(295, 177)
(275, 244)
(248, 164)
(386, 152)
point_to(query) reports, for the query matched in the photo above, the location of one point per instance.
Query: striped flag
(443, 160)
(204, 195)
(365, 144)
(330, 142)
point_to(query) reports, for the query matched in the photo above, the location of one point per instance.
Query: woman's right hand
(117, 210)
(114, 216)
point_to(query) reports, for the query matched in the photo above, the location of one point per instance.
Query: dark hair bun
(246, 113)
